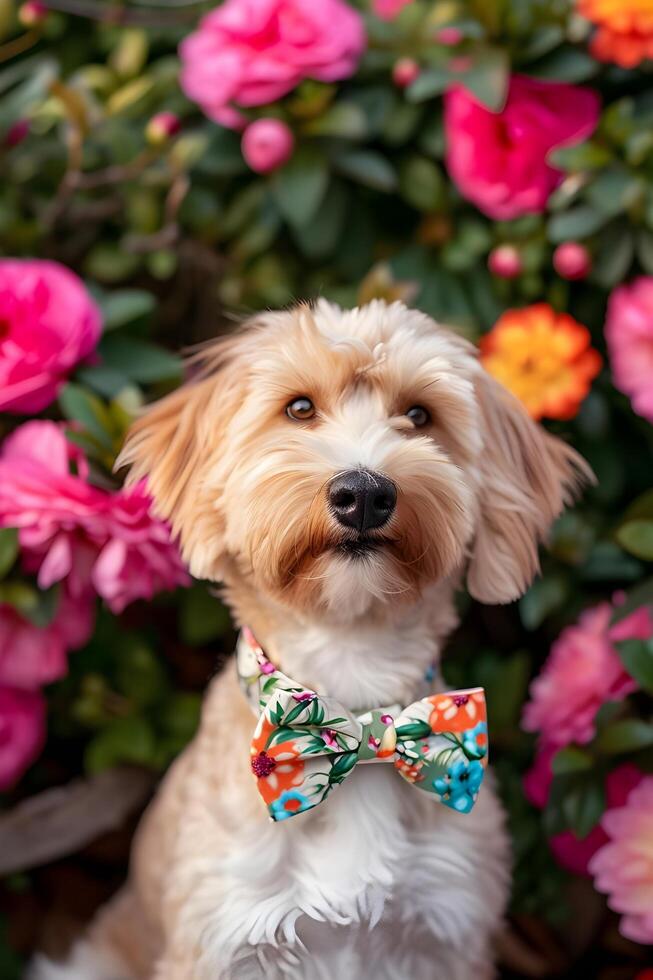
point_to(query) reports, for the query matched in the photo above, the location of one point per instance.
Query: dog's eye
(300, 409)
(418, 415)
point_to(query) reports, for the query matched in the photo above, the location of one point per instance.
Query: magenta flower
(499, 159)
(629, 336)
(252, 52)
(48, 323)
(623, 868)
(582, 672)
(72, 531)
(31, 656)
(22, 732)
(571, 852)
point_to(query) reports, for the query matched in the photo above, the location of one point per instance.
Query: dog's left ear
(527, 478)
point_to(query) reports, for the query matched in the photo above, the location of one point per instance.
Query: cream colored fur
(380, 882)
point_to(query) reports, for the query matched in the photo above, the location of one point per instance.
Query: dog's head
(344, 460)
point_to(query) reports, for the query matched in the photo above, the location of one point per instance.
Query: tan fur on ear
(528, 477)
(172, 446)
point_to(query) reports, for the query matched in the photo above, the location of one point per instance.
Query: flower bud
(267, 144)
(162, 127)
(16, 133)
(449, 36)
(32, 13)
(505, 262)
(404, 72)
(571, 260)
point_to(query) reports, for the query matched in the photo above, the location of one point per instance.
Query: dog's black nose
(361, 499)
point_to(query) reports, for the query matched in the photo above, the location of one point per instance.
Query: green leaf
(415, 729)
(421, 183)
(565, 64)
(139, 360)
(487, 79)
(644, 249)
(544, 596)
(637, 658)
(345, 120)
(79, 405)
(583, 806)
(125, 740)
(429, 82)
(8, 549)
(614, 256)
(571, 759)
(104, 380)
(578, 222)
(613, 191)
(583, 156)
(369, 168)
(202, 617)
(341, 766)
(637, 538)
(124, 306)
(299, 187)
(628, 735)
(320, 236)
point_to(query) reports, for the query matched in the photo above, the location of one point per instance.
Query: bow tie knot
(306, 744)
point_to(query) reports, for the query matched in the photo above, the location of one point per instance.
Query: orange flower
(544, 358)
(277, 768)
(458, 711)
(624, 30)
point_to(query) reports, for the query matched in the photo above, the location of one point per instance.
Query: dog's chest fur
(377, 855)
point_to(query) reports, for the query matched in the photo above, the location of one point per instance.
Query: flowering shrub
(490, 163)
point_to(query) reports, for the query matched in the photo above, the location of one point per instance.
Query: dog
(342, 474)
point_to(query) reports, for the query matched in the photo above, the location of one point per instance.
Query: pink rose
(72, 531)
(499, 159)
(629, 336)
(389, 9)
(571, 852)
(583, 671)
(31, 656)
(623, 868)
(251, 52)
(22, 732)
(267, 144)
(48, 323)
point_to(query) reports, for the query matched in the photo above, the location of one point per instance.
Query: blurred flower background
(168, 166)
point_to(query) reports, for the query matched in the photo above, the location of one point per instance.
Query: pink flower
(389, 9)
(571, 852)
(138, 558)
(22, 732)
(31, 656)
(251, 52)
(582, 672)
(267, 144)
(623, 868)
(499, 159)
(629, 336)
(48, 322)
(69, 530)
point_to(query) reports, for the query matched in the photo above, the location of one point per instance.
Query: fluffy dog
(342, 473)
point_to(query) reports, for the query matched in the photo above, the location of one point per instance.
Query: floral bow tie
(305, 744)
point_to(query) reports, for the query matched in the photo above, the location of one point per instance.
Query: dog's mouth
(361, 546)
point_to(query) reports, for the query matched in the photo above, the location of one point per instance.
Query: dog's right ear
(173, 445)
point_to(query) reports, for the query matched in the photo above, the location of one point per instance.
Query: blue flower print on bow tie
(459, 786)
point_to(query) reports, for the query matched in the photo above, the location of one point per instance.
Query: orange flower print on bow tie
(457, 712)
(277, 767)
